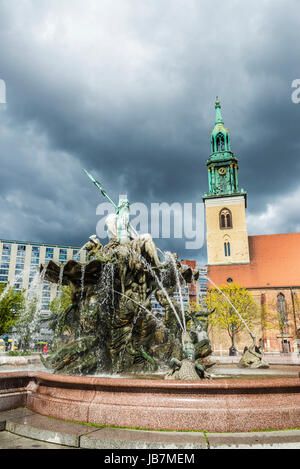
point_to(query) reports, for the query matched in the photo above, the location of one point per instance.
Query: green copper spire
(220, 138)
(222, 164)
(219, 118)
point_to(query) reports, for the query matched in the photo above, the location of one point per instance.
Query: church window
(227, 249)
(225, 219)
(220, 142)
(281, 308)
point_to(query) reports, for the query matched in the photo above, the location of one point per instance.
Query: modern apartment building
(20, 261)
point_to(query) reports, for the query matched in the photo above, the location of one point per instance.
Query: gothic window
(220, 142)
(281, 308)
(212, 145)
(225, 218)
(227, 249)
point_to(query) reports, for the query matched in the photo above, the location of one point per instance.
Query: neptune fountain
(112, 328)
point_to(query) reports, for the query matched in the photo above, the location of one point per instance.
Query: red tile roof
(274, 262)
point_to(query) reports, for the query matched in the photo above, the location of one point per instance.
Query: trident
(98, 185)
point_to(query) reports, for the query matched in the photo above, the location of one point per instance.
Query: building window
(281, 308)
(5, 259)
(225, 218)
(220, 142)
(227, 249)
(62, 256)
(35, 255)
(213, 145)
(49, 253)
(76, 255)
(3, 271)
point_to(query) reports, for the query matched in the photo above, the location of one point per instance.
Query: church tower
(225, 203)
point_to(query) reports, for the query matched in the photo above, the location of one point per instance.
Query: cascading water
(60, 279)
(105, 289)
(28, 322)
(150, 269)
(82, 282)
(16, 278)
(158, 321)
(170, 258)
(153, 273)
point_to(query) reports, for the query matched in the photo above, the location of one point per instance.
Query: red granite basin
(214, 406)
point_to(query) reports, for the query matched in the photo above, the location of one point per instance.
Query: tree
(57, 307)
(282, 314)
(235, 313)
(11, 303)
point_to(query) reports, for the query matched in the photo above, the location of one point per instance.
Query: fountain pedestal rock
(112, 328)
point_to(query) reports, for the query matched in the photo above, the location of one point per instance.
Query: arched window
(227, 249)
(212, 144)
(281, 308)
(220, 140)
(225, 218)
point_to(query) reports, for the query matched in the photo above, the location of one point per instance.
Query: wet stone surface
(9, 440)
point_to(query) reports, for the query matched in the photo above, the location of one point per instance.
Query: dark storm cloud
(126, 90)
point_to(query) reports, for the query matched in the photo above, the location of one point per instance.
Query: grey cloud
(126, 89)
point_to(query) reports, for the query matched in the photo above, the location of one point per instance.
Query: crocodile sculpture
(252, 358)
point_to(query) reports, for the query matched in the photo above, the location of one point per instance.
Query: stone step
(9, 440)
(25, 423)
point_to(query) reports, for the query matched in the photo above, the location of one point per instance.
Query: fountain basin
(213, 406)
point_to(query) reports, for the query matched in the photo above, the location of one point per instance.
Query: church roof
(274, 262)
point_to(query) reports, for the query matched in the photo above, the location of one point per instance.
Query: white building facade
(20, 261)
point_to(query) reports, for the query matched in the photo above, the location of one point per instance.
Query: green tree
(228, 318)
(11, 303)
(58, 307)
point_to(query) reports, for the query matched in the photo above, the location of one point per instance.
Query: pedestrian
(45, 350)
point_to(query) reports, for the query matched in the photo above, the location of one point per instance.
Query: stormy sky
(126, 89)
